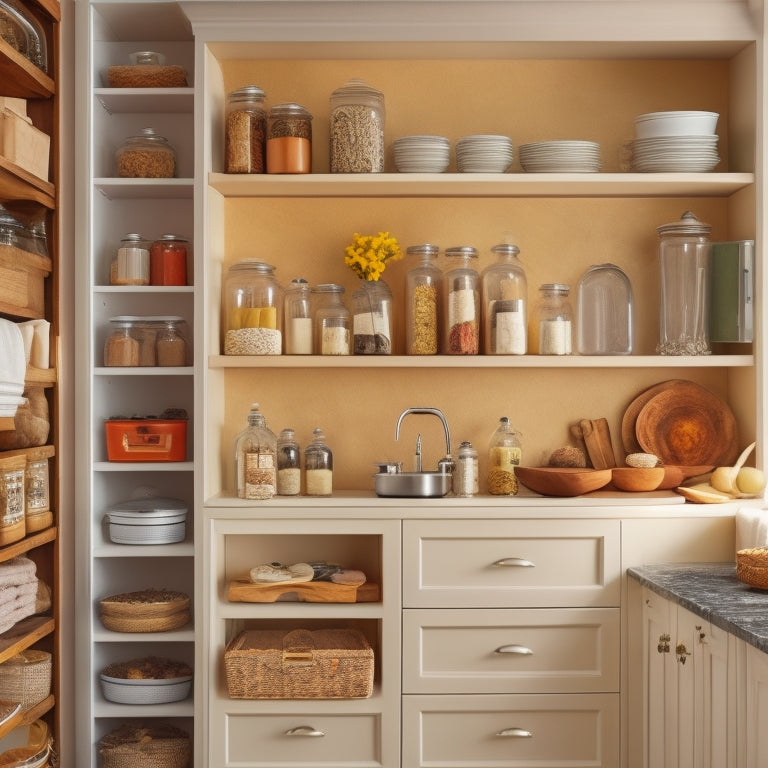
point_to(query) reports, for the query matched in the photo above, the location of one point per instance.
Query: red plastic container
(146, 439)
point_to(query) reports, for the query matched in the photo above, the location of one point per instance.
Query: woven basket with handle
(752, 566)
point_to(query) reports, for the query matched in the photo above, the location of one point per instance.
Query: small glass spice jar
(505, 299)
(462, 302)
(553, 321)
(423, 304)
(318, 466)
(245, 132)
(288, 464)
(357, 128)
(289, 139)
(146, 156)
(465, 471)
(168, 261)
(298, 318)
(131, 265)
(332, 321)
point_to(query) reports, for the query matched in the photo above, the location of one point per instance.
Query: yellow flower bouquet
(367, 255)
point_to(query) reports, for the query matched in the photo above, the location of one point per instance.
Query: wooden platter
(629, 420)
(245, 591)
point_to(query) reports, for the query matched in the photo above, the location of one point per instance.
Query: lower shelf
(24, 634)
(27, 716)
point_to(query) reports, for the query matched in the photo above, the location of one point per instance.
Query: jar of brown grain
(289, 139)
(146, 156)
(245, 131)
(121, 348)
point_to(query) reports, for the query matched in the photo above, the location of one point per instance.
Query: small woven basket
(26, 677)
(150, 746)
(752, 567)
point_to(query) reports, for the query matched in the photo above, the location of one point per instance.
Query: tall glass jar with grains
(505, 303)
(423, 301)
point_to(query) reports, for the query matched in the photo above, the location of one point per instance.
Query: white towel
(13, 367)
(751, 528)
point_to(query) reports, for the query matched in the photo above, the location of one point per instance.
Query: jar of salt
(553, 321)
(318, 466)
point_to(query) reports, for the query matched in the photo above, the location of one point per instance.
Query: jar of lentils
(357, 128)
(289, 139)
(245, 131)
(146, 156)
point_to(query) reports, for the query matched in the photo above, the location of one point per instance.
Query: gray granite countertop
(712, 591)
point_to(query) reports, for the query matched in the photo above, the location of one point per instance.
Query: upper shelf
(19, 77)
(18, 184)
(481, 184)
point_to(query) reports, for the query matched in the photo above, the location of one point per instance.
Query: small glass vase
(372, 318)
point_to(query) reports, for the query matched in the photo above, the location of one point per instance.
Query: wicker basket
(150, 746)
(300, 664)
(150, 610)
(752, 567)
(26, 677)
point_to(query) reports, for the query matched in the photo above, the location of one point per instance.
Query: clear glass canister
(168, 260)
(170, 344)
(318, 466)
(298, 318)
(121, 349)
(685, 254)
(372, 318)
(504, 454)
(604, 306)
(289, 139)
(254, 303)
(332, 321)
(553, 321)
(288, 464)
(23, 32)
(357, 128)
(131, 265)
(462, 302)
(465, 480)
(37, 480)
(255, 458)
(245, 132)
(505, 303)
(423, 301)
(146, 156)
(12, 498)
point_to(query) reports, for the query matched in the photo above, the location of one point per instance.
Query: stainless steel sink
(412, 485)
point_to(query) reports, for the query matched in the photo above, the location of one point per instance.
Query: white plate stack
(422, 154)
(484, 153)
(566, 156)
(675, 142)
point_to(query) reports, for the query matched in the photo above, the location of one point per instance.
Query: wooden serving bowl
(562, 481)
(637, 479)
(676, 474)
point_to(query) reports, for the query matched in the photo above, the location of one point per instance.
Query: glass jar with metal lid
(298, 318)
(462, 302)
(289, 139)
(168, 260)
(146, 156)
(245, 132)
(423, 304)
(505, 302)
(332, 321)
(318, 466)
(254, 303)
(357, 128)
(131, 265)
(553, 321)
(23, 32)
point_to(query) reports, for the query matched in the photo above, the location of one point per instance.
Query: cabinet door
(720, 706)
(757, 708)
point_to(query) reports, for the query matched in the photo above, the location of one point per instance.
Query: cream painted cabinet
(756, 711)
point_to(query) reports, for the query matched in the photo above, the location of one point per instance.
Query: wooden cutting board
(245, 591)
(629, 420)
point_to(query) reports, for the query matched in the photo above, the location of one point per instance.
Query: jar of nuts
(357, 128)
(146, 156)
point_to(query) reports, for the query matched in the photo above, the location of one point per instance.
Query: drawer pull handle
(519, 649)
(515, 733)
(304, 730)
(513, 562)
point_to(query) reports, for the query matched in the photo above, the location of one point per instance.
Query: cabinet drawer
(549, 650)
(501, 731)
(311, 739)
(513, 563)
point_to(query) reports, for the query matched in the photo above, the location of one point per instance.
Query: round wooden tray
(629, 420)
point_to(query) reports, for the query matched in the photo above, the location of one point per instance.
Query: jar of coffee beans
(357, 129)
(245, 131)
(289, 139)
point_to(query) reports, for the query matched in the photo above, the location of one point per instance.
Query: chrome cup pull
(513, 562)
(304, 730)
(521, 650)
(515, 733)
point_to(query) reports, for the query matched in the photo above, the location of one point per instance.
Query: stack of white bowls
(675, 142)
(560, 157)
(422, 154)
(484, 153)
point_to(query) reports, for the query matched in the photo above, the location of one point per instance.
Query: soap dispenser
(255, 458)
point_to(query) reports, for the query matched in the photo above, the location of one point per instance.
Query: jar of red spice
(168, 261)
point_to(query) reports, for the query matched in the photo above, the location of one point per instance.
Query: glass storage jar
(685, 254)
(372, 318)
(423, 303)
(245, 132)
(465, 479)
(604, 306)
(318, 466)
(289, 139)
(131, 265)
(170, 344)
(553, 321)
(357, 128)
(23, 32)
(288, 464)
(504, 454)
(298, 318)
(146, 156)
(255, 458)
(121, 348)
(462, 302)
(168, 261)
(332, 321)
(505, 303)
(254, 303)
(12, 498)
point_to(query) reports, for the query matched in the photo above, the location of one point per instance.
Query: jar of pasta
(146, 156)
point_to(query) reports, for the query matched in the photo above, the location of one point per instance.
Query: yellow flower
(368, 255)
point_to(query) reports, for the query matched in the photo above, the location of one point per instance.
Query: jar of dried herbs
(357, 128)
(289, 139)
(245, 131)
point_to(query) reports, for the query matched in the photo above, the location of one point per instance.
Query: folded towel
(13, 361)
(19, 570)
(751, 528)
(18, 610)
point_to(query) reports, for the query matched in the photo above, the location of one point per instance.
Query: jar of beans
(146, 156)
(462, 302)
(357, 129)
(245, 131)
(289, 139)
(168, 261)
(422, 286)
